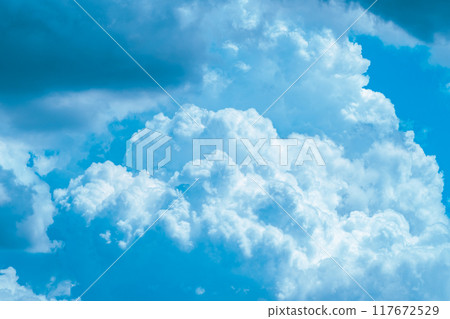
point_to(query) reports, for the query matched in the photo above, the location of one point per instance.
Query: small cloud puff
(243, 66)
(199, 291)
(230, 46)
(106, 236)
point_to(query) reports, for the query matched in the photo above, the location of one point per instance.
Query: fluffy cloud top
(105, 189)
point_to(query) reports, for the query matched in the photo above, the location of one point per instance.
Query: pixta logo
(141, 150)
(306, 150)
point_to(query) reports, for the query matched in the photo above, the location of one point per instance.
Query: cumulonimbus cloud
(378, 213)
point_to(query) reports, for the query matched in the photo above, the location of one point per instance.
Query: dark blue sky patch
(423, 19)
(52, 45)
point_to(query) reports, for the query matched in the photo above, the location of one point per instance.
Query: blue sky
(377, 105)
(406, 77)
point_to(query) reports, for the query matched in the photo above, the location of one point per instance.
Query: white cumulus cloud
(11, 290)
(375, 207)
(379, 213)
